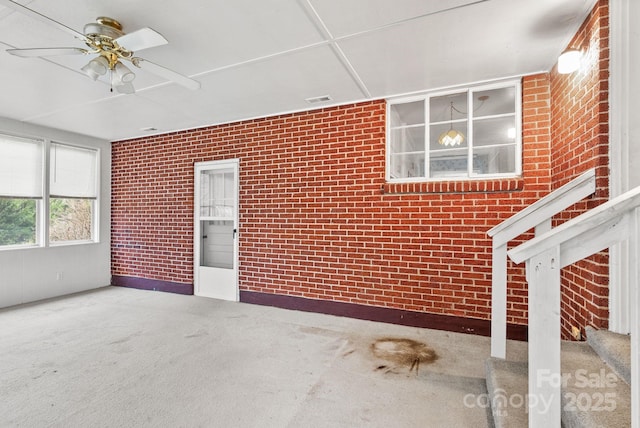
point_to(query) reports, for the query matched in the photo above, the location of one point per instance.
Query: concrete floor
(131, 358)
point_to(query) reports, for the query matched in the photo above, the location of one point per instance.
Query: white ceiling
(258, 58)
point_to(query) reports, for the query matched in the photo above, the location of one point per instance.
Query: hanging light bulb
(451, 137)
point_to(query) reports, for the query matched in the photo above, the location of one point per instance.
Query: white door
(216, 230)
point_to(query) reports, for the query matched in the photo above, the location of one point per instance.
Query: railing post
(536, 215)
(499, 302)
(543, 227)
(543, 276)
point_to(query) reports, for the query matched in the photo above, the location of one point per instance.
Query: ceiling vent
(320, 99)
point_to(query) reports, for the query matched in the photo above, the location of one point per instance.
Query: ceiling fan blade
(36, 52)
(143, 38)
(161, 71)
(32, 13)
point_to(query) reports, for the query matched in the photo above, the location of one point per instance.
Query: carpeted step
(507, 380)
(614, 349)
(593, 394)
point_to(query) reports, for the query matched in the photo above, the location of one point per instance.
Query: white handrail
(537, 215)
(545, 255)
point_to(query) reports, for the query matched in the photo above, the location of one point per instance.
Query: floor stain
(198, 333)
(402, 352)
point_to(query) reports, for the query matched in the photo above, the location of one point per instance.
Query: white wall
(31, 274)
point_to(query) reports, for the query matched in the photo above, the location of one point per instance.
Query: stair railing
(545, 255)
(537, 215)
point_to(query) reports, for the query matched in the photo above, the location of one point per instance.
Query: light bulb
(569, 61)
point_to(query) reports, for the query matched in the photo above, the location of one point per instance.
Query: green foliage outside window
(17, 221)
(70, 220)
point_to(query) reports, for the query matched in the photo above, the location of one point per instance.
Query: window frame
(468, 175)
(94, 200)
(43, 204)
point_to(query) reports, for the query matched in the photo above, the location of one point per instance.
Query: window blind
(73, 172)
(20, 167)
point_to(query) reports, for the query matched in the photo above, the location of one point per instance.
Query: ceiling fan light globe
(123, 74)
(89, 72)
(97, 66)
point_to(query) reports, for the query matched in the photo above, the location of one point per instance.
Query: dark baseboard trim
(388, 315)
(151, 284)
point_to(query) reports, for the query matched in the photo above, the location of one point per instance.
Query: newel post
(543, 276)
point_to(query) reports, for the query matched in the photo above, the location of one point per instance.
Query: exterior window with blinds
(21, 190)
(469, 133)
(38, 209)
(73, 190)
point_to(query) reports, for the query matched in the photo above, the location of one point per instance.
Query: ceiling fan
(111, 45)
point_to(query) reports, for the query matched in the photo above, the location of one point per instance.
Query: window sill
(18, 247)
(51, 245)
(456, 186)
(71, 243)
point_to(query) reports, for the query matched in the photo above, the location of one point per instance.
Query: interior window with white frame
(468, 133)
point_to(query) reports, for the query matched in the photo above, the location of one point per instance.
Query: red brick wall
(579, 132)
(317, 219)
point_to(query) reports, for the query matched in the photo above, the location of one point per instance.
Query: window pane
(73, 172)
(494, 131)
(448, 107)
(405, 140)
(217, 193)
(407, 114)
(70, 219)
(494, 101)
(20, 167)
(217, 243)
(495, 160)
(17, 221)
(407, 165)
(450, 165)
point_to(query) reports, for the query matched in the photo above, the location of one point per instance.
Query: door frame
(197, 169)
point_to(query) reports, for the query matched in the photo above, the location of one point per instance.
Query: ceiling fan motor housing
(101, 37)
(104, 27)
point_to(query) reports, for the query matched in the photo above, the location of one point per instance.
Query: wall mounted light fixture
(569, 61)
